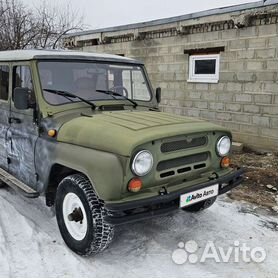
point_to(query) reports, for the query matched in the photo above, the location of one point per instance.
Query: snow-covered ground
(31, 246)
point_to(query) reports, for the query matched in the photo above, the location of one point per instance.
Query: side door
(4, 113)
(23, 131)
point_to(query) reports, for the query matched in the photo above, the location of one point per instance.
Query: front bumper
(166, 202)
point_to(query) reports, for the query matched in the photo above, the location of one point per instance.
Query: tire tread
(102, 232)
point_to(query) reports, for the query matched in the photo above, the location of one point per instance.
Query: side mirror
(158, 95)
(21, 98)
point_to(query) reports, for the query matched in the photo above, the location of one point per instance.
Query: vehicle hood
(121, 131)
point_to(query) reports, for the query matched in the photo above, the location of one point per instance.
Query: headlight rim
(220, 139)
(133, 169)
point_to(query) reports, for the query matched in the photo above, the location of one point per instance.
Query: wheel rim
(75, 217)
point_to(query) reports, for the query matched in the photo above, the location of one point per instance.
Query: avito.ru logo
(236, 253)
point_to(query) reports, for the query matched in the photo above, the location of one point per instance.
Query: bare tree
(17, 25)
(41, 27)
(55, 23)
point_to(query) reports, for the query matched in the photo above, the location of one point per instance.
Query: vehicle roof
(25, 55)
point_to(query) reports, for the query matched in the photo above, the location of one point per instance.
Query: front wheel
(201, 205)
(80, 216)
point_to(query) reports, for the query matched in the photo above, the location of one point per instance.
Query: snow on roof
(23, 55)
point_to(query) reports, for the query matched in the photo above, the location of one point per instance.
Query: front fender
(104, 170)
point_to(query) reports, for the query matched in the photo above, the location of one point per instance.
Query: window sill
(202, 81)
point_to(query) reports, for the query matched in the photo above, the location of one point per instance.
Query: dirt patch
(261, 173)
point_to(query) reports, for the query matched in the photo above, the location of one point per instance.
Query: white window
(204, 68)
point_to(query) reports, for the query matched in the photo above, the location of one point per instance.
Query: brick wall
(246, 98)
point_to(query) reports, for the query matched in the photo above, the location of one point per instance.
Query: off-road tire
(201, 205)
(99, 233)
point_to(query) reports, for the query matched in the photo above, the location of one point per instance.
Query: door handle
(13, 120)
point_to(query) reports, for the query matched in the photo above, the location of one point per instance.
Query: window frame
(203, 78)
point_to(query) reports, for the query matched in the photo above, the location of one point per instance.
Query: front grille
(182, 161)
(183, 144)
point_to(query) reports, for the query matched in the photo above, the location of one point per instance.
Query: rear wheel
(80, 216)
(201, 205)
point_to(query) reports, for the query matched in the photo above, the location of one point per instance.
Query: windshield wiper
(112, 93)
(70, 95)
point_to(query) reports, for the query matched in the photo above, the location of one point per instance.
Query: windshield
(90, 81)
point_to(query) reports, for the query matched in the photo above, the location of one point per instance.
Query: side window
(22, 77)
(127, 82)
(111, 78)
(4, 81)
(140, 89)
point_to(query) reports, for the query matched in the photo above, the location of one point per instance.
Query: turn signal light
(135, 185)
(225, 162)
(51, 132)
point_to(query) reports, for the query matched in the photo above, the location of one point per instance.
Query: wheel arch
(104, 170)
(56, 174)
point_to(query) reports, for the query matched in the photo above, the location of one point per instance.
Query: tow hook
(163, 191)
(213, 176)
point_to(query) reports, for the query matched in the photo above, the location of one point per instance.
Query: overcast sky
(106, 13)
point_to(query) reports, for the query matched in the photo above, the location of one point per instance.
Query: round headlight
(224, 145)
(142, 163)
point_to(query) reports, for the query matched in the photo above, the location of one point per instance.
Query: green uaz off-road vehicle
(84, 130)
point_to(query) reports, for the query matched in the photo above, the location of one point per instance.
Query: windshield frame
(123, 101)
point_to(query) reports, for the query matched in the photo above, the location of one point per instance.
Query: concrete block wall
(246, 98)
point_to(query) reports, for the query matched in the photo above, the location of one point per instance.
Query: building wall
(246, 98)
